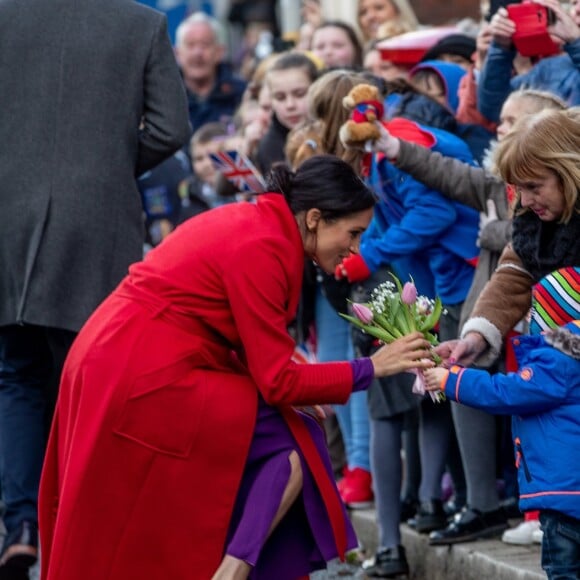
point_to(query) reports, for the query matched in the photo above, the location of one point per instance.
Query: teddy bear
(365, 103)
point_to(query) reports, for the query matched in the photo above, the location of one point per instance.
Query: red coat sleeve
(259, 289)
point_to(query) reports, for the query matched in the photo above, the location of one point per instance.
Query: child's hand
(486, 218)
(482, 45)
(386, 143)
(434, 378)
(311, 12)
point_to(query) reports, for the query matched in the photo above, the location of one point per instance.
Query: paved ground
(482, 560)
(339, 571)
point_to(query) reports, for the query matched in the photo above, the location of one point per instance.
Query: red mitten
(409, 131)
(353, 268)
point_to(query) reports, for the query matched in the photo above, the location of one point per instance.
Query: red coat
(155, 413)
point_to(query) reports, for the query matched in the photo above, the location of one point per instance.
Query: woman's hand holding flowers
(408, 352)
(397, 316)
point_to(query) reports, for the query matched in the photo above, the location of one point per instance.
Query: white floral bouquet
(395, 310)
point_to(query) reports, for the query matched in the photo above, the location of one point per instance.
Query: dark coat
(79, 78)
(271, 147)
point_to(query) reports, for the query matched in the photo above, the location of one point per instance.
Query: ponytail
(280, 179)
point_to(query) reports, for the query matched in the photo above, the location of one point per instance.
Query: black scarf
(546, 246)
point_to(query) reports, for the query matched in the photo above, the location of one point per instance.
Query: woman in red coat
(176, 451)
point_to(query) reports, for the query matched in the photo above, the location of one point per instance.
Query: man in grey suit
(90, 98)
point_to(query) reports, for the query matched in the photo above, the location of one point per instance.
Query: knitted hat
(555, 300)
(459, 44)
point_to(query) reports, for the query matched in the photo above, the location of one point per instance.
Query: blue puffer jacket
(544, 399)
(558, 74)
(416, 226)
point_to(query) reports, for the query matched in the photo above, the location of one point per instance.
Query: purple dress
(303, 541)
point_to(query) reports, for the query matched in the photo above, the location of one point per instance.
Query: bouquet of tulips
(395, 310)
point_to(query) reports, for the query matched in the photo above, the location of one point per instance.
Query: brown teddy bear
(365, 103)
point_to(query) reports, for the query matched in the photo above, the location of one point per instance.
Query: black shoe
(452, 507)
(387, 563)
(430, 516)
(408, 509)
(469, 525)
(511, 508)
(20, 551)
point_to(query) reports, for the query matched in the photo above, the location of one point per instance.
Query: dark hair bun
(280, 179)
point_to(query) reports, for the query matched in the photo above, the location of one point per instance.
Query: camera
(531, 37)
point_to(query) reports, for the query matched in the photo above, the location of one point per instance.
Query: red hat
(410, 47)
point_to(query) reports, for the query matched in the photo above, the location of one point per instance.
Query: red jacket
(159, 393)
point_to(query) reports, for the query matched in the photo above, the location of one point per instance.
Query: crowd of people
(157, 415)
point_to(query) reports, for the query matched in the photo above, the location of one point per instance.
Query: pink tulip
(409, 293)
(363, 313)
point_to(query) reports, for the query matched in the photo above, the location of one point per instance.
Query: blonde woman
(372, 14)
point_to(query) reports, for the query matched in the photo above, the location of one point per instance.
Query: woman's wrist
(477, 342)
(363, 372)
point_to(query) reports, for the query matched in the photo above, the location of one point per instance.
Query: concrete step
(488, 559)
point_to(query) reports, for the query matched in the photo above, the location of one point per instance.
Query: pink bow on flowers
(394, 311)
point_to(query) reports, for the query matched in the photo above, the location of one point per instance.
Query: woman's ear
(313, 216)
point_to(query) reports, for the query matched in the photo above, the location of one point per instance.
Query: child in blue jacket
(543, 398)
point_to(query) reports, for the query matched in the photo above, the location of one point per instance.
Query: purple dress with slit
(303, 541)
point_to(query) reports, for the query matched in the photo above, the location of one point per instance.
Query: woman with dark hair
(176, 450)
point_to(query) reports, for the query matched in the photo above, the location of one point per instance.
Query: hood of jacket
(566, 339)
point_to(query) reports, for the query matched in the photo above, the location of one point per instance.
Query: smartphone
(531, 37)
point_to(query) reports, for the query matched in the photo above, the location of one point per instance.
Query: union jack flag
(238, 169)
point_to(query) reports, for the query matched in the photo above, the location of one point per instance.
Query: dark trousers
(560, 545)
(31, 361)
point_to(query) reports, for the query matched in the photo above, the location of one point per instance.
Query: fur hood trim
(565, 341)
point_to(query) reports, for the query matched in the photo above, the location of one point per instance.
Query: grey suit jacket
(90, 97)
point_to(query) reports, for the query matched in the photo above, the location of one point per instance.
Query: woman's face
(513, 110)
(373, 13)
(336, 239)
(288, 91)
(543, 195)
(333, 46)
(265, 103)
